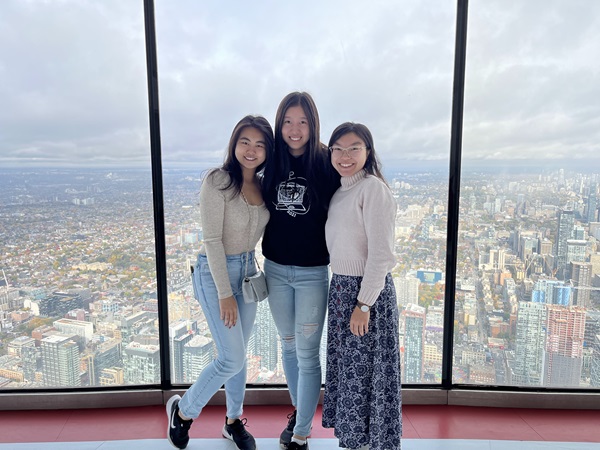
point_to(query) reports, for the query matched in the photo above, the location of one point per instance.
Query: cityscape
(78, 296)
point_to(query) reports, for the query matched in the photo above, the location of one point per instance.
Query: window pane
(77, 278)
(387, 65)
(528, 283)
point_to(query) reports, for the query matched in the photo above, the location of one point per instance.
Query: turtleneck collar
(349, 182)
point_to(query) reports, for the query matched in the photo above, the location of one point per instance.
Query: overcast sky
(73, 80)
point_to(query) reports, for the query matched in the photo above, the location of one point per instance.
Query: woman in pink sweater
(362, 388)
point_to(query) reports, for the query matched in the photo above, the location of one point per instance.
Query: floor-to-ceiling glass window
(78, 302)
(528, 278)
(388, 65)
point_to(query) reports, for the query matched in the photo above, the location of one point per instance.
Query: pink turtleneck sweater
(360, 232)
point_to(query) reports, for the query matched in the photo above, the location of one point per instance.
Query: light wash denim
(298, 303)
(229, 368)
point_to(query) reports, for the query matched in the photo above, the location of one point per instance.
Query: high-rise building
(322, 352)
(407, 290)
(576, 251)
(60, 361)
(105, 355)
(591, 204)
(563, 356)
(578, 233)
(509, 288)
(180, 333)
(10, 299)
(545, 246)
(595, 364)
(497, 258)
(132, 324)
(435, 318)
(15, 347)
(197, 354)
(264, 338)
(592, 327)
(561, 295)
(112, 376)
(581, 277)
(566, 222)
(24, 347)
(595, 262)
(413, 317)
(552, 292)
(561, 177)
(141, 363)
(528, 245)
(84, 330)
(529, 344)
(31, 358)
(59, 304)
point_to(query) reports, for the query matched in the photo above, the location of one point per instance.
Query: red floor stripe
(420, 422)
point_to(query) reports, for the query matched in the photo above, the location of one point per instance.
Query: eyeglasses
(350, 151)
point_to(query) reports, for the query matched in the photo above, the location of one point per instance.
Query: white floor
(315, 444)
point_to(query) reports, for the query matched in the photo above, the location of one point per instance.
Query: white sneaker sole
(169, 407)
(225, 434)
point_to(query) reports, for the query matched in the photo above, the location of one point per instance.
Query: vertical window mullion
(458, 96)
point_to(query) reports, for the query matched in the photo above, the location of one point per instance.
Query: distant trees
(430, 294)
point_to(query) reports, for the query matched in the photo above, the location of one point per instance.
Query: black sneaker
(296, 446)
(286, 435)
(178, 432)
(238, 434)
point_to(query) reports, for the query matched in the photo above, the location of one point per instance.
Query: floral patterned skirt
(362, 400)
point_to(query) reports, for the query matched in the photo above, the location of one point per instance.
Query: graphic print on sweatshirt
(292, 196)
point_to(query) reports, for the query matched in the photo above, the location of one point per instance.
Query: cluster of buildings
(78, 302)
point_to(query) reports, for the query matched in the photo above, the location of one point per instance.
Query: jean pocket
(203, 267)
(195, 280)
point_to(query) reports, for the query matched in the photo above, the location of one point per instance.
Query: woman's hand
(359, 322)
(229, 311)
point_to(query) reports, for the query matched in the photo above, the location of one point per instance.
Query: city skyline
(77, 249)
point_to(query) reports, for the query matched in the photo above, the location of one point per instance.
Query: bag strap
(249, 230)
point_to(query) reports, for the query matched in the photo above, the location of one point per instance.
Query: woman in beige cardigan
(233, 216)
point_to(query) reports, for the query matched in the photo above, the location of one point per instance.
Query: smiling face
(250, 149)
(349, 154)
(295, 130)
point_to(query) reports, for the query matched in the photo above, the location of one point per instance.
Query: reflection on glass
(78, 302)
(528, 280)
(218, 62)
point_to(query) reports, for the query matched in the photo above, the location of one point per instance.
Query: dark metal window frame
(458, 94)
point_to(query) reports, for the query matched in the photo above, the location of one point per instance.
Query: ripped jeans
(298, 303)
(229, 366)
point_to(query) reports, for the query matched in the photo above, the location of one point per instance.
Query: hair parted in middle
(231, 165)
(315, 157)
(372, 164)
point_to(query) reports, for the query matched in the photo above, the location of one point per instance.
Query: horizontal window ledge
(280, 396)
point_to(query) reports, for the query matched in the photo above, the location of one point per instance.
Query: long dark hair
(232, 165)
(315, 159)
(372, 164)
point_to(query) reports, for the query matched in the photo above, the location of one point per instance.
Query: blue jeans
(229, 368)
(298, 303)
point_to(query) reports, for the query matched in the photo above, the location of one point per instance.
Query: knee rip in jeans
(308, 329)
(288, 343)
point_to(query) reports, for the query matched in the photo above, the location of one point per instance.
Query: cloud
(531, 80)
(74, 85)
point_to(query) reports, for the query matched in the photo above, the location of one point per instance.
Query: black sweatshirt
(295, 234)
